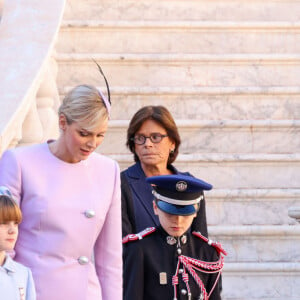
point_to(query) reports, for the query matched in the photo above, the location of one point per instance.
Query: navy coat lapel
(142, 190)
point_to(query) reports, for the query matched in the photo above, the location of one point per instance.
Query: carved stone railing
(29, 95)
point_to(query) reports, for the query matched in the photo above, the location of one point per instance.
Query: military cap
(178, 194)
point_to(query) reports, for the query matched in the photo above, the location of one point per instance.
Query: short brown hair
(9, 210)
(162, 116)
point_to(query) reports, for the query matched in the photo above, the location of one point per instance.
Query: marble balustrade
(29, 95)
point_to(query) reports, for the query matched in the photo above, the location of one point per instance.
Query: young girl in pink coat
(69, 195)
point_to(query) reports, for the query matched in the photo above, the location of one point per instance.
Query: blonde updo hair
(84, 105)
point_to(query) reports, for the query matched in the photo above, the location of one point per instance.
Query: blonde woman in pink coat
(69, 195)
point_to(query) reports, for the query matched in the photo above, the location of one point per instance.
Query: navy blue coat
(137, 198)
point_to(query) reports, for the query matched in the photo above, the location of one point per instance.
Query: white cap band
(176, 201)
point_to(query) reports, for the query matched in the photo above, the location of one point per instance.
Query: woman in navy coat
(153, 138)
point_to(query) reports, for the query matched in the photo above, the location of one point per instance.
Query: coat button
(179, 251)
(183, 292)
(83, 260)
(89, 213)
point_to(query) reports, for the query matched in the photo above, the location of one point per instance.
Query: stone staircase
(229, 73)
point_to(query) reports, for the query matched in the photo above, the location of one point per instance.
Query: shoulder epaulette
(216, 245)
(138, 236)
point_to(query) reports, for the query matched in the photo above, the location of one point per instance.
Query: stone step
(169, 52)
(184, 10)
(178, 70)
(226, 207)
(220, 136)
(217, 103)
(264, 281)
(98, 36)
(258, 243)
(227, 171)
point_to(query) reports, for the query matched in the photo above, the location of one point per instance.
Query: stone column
(32, 130)
(48, 102)
(41, 122)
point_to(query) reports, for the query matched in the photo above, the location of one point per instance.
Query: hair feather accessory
(106, 101)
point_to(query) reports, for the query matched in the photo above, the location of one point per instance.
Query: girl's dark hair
(160, 115)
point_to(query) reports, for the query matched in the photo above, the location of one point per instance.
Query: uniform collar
(172, 240)
(9, 265)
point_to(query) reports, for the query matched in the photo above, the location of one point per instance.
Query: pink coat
(69, 210)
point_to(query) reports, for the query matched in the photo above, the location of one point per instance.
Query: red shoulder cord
(191, 264)
(138, 236)
(216, 245)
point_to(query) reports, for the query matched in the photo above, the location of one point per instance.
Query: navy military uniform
(158, 266)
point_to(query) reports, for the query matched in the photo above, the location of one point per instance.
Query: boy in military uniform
(170, 261)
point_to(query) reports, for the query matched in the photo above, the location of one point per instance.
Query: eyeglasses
(155, 138)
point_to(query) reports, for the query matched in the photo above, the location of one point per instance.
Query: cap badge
(181, 186)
